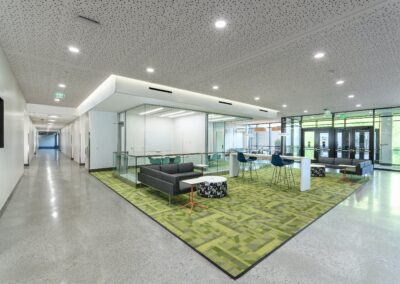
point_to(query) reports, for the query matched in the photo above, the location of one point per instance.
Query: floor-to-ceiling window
(367, 134)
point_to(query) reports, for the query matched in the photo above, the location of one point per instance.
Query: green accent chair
(177, 160)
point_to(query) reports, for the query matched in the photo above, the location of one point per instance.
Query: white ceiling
(266, 49)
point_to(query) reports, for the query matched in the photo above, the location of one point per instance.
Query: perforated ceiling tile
(265, 50)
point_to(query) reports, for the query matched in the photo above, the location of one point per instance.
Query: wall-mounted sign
(59, 95)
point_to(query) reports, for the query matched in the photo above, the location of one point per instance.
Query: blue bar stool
(277, 175)
(243, 162)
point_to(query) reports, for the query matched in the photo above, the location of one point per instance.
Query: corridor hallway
(63, 225)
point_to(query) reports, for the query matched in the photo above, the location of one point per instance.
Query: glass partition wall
(367, 134)
(153, 134)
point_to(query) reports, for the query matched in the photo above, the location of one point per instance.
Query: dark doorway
(48, 140)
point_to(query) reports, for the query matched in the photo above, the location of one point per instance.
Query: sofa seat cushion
(169, 168)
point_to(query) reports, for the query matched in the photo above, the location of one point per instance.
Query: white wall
(12, 155)
(74, 139)
(30, 139)
(103, 138)
(161, 135)
(65, 141)
(189, 134)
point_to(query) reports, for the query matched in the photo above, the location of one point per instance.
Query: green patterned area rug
(241, 229)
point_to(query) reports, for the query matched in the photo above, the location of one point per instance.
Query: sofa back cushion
(342, 161)
(185, 167)
(325, 160)
(169, 168)
(150, 169)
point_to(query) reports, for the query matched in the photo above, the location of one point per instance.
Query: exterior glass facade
(367, 134)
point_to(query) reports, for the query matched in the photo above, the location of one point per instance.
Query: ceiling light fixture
(220, 24)
(151, 111)
(358, 105)
(51, 120)
(222, 119)
(340, 82)
(305, 111)
(284, 105)
(53, 116)
(182, 114)
(319, 55)
(61, 86)
(215, 87)
(172, 113)
(150, 70)
(73, 49)
(350, 96)
(56, 100)
(257, 98)
(214, 115)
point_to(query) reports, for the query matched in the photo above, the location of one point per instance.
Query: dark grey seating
(363, 167)
(167, 178)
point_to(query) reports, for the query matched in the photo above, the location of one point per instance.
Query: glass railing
(128, 166)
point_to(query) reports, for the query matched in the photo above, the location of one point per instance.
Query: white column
(305, 174)
(233, 165)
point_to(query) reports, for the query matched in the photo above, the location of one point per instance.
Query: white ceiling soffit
(266, 49)
(121, 93)
(41, 115)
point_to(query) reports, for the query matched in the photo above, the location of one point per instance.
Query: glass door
(362, 144)
(323, 145)
(342, 143)
(309, 144)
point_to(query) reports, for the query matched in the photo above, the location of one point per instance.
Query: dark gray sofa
(363, 167)
(167, 178)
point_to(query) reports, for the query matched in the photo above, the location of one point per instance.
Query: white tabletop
(213, 178)
(317, 166)
(193, 181)
(201, 165)
(210, 179)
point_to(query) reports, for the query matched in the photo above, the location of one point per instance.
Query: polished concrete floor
(64, 226)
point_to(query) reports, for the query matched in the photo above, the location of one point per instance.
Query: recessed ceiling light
(62, 85)
(256, 98)
(51, 120)
(73, 49)
(305, 111)
(215, 87)
(53, 116)
(150, 70)
(358, 105)
(56, 100)
(350, 96)
(220, 24)
(339, 82)
(284, 105)
(319, 55)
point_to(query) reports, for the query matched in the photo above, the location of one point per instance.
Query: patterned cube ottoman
(317, 170)
(212, 187)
